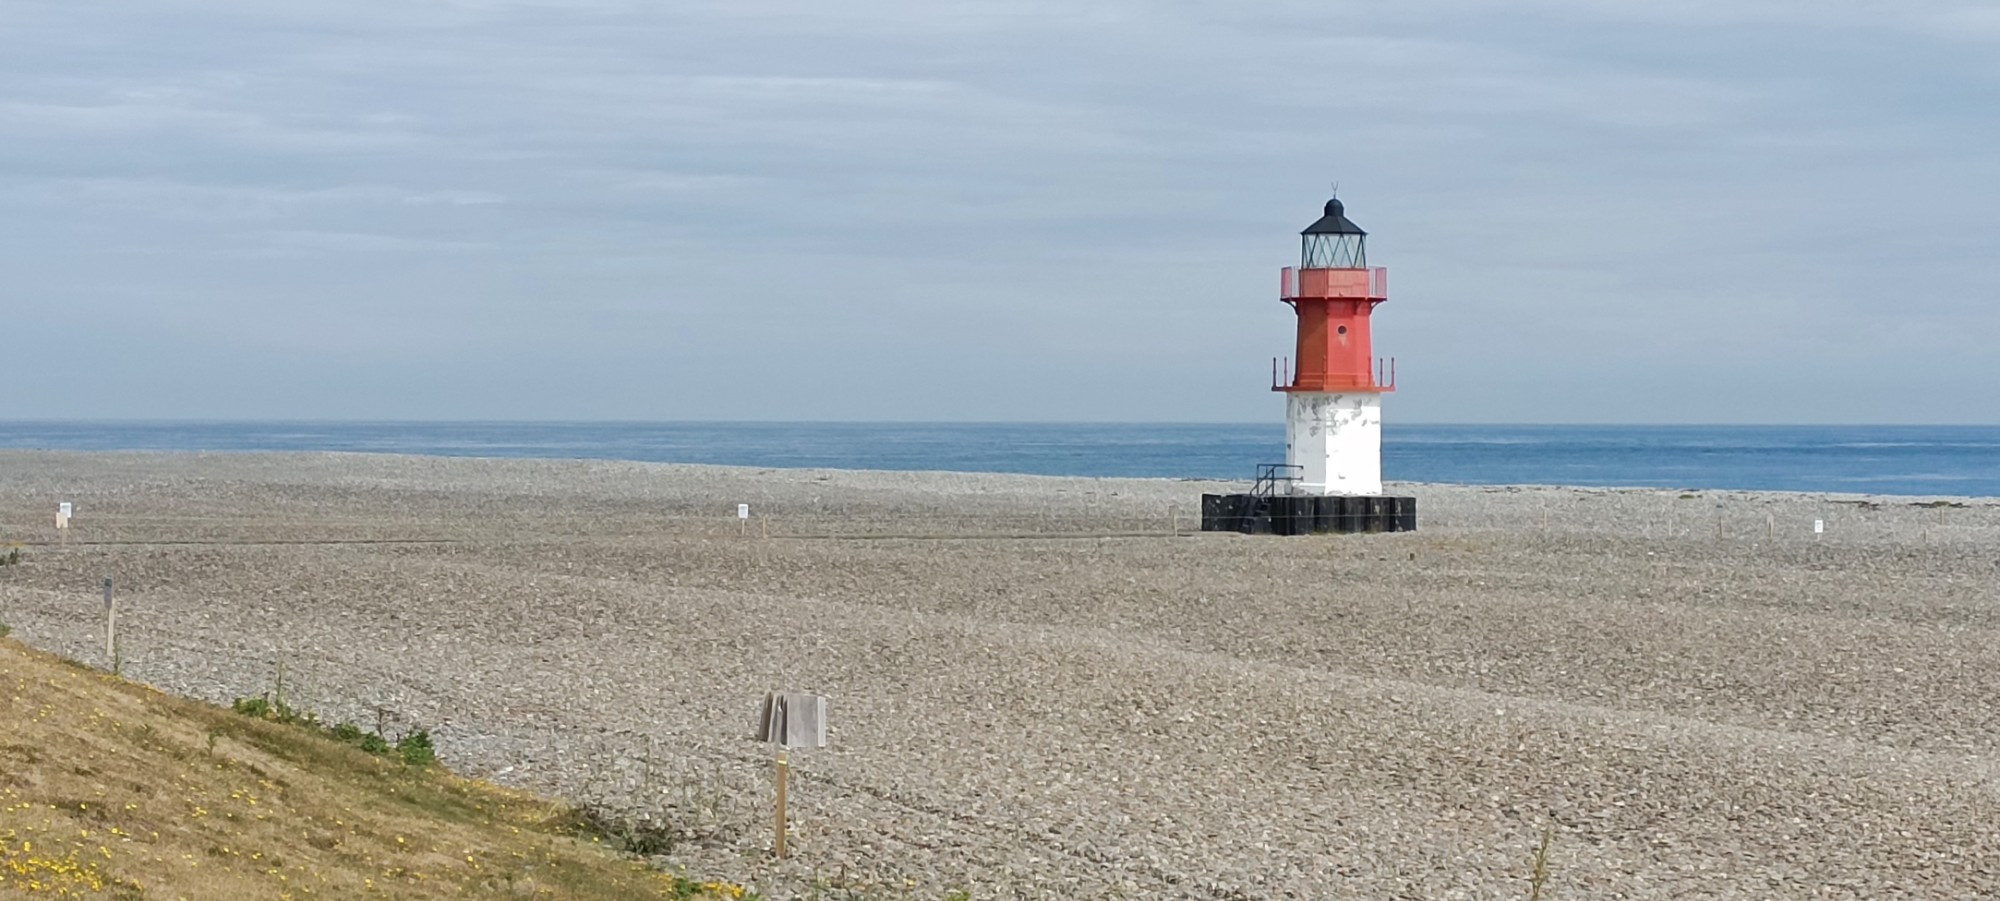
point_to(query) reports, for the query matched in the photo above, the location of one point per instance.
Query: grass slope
(112, 789)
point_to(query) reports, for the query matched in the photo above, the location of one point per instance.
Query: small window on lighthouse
(1343, 330)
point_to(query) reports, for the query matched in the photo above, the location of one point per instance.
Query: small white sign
(62, 515)
(1819, 526)
(64, 509)
(742, 511)
(793, 720)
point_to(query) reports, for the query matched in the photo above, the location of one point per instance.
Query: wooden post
(110, 626)
(784, 777)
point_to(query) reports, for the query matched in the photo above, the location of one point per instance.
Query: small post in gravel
(62, 524)
(743, 520)
(110, 626)
(789, 720)
(784, 779)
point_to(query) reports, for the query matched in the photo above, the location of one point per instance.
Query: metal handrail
(1385, 373)
(1269, 475)
(1377, 282)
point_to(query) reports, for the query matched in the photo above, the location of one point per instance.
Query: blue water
(1948, 460)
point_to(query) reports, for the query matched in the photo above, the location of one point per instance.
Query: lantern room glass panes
(1333, 251)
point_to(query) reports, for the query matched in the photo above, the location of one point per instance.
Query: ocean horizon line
(1653, 487)
(1882, 459)
(1441, 423)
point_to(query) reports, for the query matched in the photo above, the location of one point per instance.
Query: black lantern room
(1334, 242)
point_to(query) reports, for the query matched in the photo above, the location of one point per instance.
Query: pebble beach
(1047, 687)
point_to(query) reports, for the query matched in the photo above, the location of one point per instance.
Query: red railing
(1372, 282)
(1385, 374)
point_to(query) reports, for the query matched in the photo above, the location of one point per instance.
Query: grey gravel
(1038, 690)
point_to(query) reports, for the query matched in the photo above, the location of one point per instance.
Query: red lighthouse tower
(1334, 290)
(1333, 400)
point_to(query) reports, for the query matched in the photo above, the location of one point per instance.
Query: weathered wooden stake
(784, 777)
(110, 626)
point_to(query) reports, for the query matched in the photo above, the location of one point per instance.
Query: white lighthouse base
(1334, 439)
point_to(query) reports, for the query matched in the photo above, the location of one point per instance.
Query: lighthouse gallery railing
(1385, 373)
(1294, 282)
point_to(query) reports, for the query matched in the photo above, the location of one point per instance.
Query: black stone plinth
(1280, 514)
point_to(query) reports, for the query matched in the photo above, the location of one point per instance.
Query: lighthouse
(1333, 400)
(1331, 480)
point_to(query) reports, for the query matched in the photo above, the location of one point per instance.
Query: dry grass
(111, 789)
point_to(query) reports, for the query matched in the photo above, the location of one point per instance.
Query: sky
(1755, 211)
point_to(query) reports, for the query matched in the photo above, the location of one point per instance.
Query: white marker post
(63, 511)
(1819, 528)
(743, 519)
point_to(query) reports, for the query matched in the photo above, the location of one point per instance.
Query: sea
(1873, 459)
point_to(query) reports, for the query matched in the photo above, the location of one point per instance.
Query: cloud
(183, 200)
(362, 243)
(997, 209)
